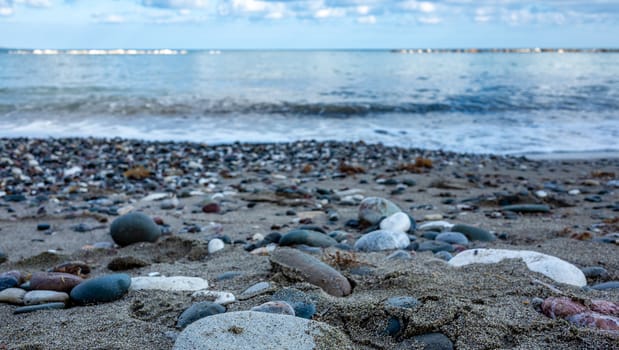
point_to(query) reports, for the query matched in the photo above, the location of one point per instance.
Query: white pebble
(541, 194)
(257, 237)
(174, 283)
(222, 298)
(398, 222)
(433, 217)
(574, 192)
(215, 245)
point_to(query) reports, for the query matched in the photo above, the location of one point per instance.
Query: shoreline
(241, 193)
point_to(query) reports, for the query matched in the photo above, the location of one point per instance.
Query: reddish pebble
(77, 268)
(561, 307)
(605, 307)
(211, 208)
(595, 320)
(158, 220)
(58, 281)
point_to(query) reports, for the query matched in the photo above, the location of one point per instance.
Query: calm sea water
(490, 103)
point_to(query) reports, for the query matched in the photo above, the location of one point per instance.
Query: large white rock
(173, 283)
(398, 222)
(552, 267)
(382, 240)
(259, 330)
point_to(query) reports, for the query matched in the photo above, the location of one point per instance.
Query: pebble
(600, 314)
(8, 282)
(43, 227)
(123, 263)
(215, 245)
(406, 302)
(474, 233)
(609, 238)
(260, 331)
(134, 227)
(382, 240)
(552, 267)
(12, 296)
(211, 208)
(453, 238)
(77, 268)
(432, 217)
(101, 289)
(606, 285)
(398, 222)
(393, 326)
(541, 194)
(228, 275)
(574, 192)
(57, 281)
(373, 209)
(436, 226)
(595, 272)
(275, 307)
(296, 264)
(300, 302)
(222, 298)
(172, 283)
(400, 255)
(155, 197)
(31, 308)
(434, 341)
(527, 208)
(198, 311)
(45, 296)
(256, 289)
(435, 246)
(444, 255)
(307, 237)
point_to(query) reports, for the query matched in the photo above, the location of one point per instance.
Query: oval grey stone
(101, 289)
(297, 265)
(307, 237)
(45, 296)
(198, 311)
(473, 233)
(373, 209)
(259, 331)
(134, 227)
(453, 238)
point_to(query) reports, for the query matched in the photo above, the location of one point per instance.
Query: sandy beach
(78, 187)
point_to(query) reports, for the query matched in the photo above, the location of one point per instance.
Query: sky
(307, 24)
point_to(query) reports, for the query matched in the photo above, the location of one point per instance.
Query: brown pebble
(58, 281)
(78, 268)
(211, 208)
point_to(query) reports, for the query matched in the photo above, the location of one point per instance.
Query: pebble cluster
(318, 256)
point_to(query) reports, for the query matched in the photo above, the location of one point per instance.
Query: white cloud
(363, 9)
(34, 3)
(111, 18)
(367, 20)
(175, 4)
(330, 12)
(421, 6)
(6, 11)
(253, 8)
(430, 20)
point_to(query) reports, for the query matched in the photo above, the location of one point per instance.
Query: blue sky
(249, 24)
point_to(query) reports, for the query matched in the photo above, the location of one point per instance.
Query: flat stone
(382, 240)
(300, 266)
(256, 289)
(12, 296)
(134, 227)
(32, 308)
(606, 285)
(259, 331)
(373, 209)
(275, 307)
(101, 289)
(552, 267)
(45, 296)
(173, 283)
(307, 237)
(217, 297)
(474, 233)
(452, 237)
(595, 272)
(58, 281)
(435, 246)
(436, 226)
(198, 311)
(397, 222)
(527, 208)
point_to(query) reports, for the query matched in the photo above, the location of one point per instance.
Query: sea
(531, 103)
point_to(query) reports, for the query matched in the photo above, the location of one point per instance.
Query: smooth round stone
(405, 302)
(12, 296)
(215, 245)
(273, 237)
(298, 265)
(373, 209)
(300, 302)
(275, 307)
(198, 311)
(228, 275)
(172, 283)
(307, 237)
(382, 240)
(398, 222)
(339, 235)
(435, 246)
(101, 289)
(453, 238)
(45, 296)
(57, 281)
(595, 272)
(430, 235)
(552, 267)
(8, 282)
(256, 289)
(32, 308)
(259, 331)
(527, 208)
(134, 227)
(434, 341)
(606, 285)
(474, 233)
(444, 255)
